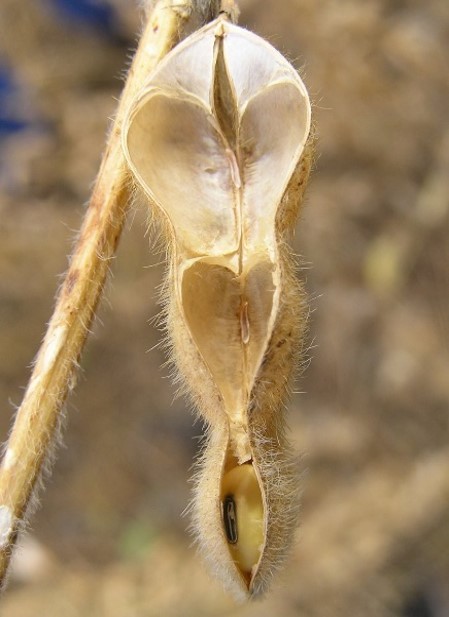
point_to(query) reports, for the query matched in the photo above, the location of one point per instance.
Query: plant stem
(54, 371)
(231, 9)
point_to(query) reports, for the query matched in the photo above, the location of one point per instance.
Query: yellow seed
(241, 486)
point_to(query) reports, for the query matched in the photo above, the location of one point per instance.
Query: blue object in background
(10, 122)
(95, 13)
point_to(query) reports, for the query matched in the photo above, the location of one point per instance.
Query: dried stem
(230, 8)
(54, 371)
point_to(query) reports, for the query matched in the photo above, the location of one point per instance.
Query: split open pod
(218, 138)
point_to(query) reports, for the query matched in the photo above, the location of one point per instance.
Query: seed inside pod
(243, 516)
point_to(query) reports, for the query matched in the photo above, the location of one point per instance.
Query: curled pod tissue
(218, 138)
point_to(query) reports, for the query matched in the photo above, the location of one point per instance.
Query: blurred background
(372, 418)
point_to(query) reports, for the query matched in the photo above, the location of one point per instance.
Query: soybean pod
(219, 141)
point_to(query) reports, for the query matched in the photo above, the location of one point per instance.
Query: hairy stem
(54, 371)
